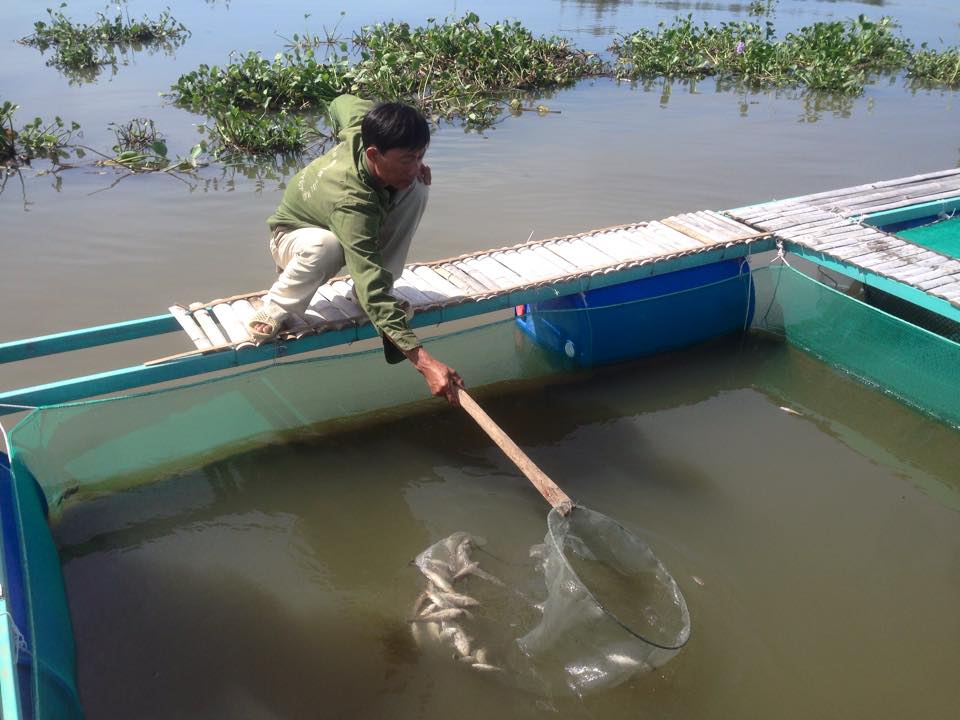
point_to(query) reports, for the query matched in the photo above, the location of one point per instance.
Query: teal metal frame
(88, 386)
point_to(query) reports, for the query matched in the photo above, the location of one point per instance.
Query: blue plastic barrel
(646, 316)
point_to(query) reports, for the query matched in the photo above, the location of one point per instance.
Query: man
(358, 205)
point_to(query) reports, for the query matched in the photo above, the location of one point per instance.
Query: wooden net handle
(551, 493)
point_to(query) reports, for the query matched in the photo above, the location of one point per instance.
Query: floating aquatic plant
(836, 56)
(37, 138)
(77, 45)
(932, 67)
(460, 68)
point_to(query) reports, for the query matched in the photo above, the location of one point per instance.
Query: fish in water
(622, 660)
(452, 599)
(445, 614)
(484, 667)
(437, 580)
(466, 570)
(461, 642)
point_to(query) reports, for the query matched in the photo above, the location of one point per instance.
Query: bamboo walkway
(221, 324)
(829, 225)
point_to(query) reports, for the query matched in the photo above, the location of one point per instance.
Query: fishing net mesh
(592, 608)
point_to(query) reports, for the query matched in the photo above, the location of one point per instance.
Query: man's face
(397, 167)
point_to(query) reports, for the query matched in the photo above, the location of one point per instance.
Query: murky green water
(817, 552)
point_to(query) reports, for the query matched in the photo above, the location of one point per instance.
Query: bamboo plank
(687, 228)
(499, 272)
(614, 246)
(209, 327)
(244, 311)
(545, 254)
(526, 266)
(802, 219)
(469, 268)
(717, 229)
(850, 251)
(674, 240)
(582, 255)
(429, 275)
(871, 246)
(432, 283)
(340, 293)
(709, 235)
(907, 202)
(902, 192)
(458, 276)
(235, 330)
(194, 332)
(730, 234)
(643, 248)
(935, 283)
(403, 289)
(660, 247)
(842, 192)
(900, 257)
(740, 227)
(322, 312)
(841, 237)
(646, 246)
(926, 269)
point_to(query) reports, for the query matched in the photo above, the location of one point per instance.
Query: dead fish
(697, 580)
(483, 667)
(445, 569)
(483, 574)
(435, 578)
(440, 599)
(463, 552)
(790, 411)
(433, 631)
(448, 631)
(458, 600)
(468, 659)
(461, 642)
(466, 570)
(622, 660)
(446, 614)
(428, 608)
(481, 656)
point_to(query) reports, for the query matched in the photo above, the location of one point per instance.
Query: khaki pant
(311, 256)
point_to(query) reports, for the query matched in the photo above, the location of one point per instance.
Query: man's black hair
(395, 125)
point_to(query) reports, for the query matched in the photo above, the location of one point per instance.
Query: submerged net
(887, 351)
(593, 608)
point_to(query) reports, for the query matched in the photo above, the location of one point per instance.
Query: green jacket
(337, 192)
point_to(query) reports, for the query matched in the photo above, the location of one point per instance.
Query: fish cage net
(105, 445)
(912, 361)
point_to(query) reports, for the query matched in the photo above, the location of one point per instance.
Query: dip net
(593, 608)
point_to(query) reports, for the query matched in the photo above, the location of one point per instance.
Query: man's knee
(318, 249)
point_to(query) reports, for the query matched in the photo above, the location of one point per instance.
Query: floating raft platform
(460, 286)
(842, 230)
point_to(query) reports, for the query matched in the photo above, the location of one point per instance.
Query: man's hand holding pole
(442, 379)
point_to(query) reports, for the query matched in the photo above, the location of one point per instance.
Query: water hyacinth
(836, 56)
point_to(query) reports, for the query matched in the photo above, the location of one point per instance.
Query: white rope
(20, 642)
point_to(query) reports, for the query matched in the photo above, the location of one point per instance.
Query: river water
(818, 553)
